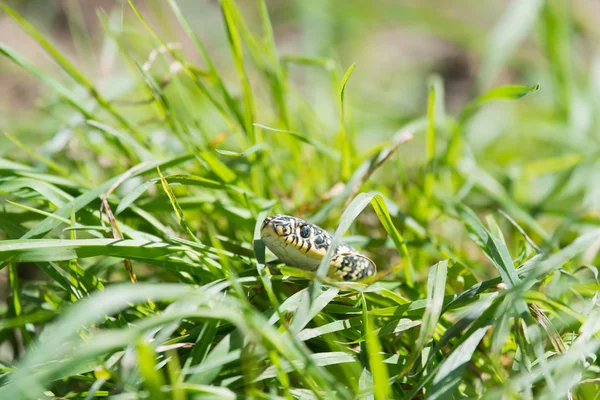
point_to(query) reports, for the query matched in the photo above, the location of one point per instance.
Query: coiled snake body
(301, 244)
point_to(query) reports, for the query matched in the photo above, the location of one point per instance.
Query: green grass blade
(491, 245)
(153, 379)
(349, 215)
(211, 67)
(83, 200)
(345, 144)
(542, 268)
(66, 94)
(61, 60)
(555, 36)
(303, 317)
(229, 10)
(377, 367)
(381, 210)
(508, 92)
(436, 286)
(72, 70)
(277, 76)
(513, 27)
(320, 147)
(64, 250)
(23, 319)
(452, 368)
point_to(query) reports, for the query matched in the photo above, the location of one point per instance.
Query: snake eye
(305, 231)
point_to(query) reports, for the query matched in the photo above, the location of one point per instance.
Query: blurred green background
(397, 46)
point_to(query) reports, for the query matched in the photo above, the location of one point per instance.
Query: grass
(141, 225)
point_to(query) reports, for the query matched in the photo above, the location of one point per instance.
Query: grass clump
(140, 213)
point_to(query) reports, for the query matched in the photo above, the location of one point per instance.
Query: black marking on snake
(308, 247)
(321, 241)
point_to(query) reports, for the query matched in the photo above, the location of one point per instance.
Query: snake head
(295, 241)
(295, 230)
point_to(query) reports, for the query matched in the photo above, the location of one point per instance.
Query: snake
(301, 244)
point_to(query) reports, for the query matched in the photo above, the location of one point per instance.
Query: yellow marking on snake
(301, 244)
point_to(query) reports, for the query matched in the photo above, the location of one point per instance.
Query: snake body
(301, 244)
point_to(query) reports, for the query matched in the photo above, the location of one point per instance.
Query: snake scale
(303, 245)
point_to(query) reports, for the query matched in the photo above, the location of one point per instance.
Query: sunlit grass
(155, 281)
